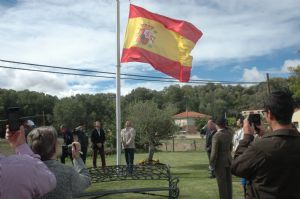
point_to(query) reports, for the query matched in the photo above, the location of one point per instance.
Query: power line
(81, 70)
(77, 74)
(157, 79)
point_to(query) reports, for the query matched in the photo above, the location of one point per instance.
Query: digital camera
(14, 119)
(254, 119)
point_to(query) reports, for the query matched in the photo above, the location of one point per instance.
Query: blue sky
(242, 41)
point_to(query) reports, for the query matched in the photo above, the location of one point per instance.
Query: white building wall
(185, 122)
(296, 119)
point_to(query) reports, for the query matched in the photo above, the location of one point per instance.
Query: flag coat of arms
(163, 42)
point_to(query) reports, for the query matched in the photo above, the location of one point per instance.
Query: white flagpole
(118, 85)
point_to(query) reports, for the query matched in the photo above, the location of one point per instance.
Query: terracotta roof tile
(191, 114)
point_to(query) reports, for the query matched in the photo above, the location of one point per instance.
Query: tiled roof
(191, 114)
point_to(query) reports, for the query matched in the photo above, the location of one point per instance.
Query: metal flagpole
(118, 85)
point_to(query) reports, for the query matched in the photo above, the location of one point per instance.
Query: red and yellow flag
(163, 42)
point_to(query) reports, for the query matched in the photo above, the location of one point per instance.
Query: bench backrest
(120, 172)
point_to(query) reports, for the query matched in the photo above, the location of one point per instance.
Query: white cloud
(253, 75)
(290, 63)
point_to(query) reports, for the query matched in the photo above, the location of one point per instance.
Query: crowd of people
(267, 162)
(35, 172)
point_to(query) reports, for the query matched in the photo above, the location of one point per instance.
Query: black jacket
(96, 138)
(82, 138)
(271, 164)
(68, 137)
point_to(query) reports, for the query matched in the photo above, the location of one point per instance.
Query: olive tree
(151, 124)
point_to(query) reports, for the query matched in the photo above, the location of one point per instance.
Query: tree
(151, 124)
(70, 112)
(294, 83)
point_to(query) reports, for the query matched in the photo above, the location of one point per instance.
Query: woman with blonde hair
(70, 179)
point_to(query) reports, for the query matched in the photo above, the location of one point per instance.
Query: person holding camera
(98, 139)
(71, 180)
(68, 139)
(23, 175)
(83, 139)
(255, 120)
(271, 164)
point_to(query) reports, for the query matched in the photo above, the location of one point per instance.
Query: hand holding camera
(15, 138)
(247, 128)
(252, 124)
(76, 150)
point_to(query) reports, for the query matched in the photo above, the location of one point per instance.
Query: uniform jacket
(221, 148)
(209, 135)
(270, 164)
(96, 138)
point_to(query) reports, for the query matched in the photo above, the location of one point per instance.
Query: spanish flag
(163, 42)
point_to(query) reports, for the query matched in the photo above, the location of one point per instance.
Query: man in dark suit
(98, 139)
(210, 131)
(221, 158)
(83, 139)
(68, 139)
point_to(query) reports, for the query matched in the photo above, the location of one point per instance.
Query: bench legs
(174, 190)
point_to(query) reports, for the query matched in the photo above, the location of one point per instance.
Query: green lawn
(190, 167)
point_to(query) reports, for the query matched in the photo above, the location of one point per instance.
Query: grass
(190, 167)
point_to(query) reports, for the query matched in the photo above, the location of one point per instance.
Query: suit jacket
(221, 148)
(82, 138)
(68, 137)
(96, 138)
(209, 135)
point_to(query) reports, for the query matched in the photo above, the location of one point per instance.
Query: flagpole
(118, 85)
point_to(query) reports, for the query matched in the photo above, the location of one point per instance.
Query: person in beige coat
(221, 157)
(128, 142)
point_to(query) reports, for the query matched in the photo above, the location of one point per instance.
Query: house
(186, 121)
(296, 119)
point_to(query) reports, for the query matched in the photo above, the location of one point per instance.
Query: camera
(254, 119)
(67, 149)
(14, 119)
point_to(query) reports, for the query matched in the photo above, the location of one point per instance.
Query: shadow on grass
(194, 166)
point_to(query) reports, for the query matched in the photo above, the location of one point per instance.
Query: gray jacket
(70, 179)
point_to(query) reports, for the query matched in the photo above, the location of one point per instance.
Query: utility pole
(268, 84)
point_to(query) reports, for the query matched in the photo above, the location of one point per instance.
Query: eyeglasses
(264, 111)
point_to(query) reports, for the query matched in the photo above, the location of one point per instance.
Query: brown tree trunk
(151, 152)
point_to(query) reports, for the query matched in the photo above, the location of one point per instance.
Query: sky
(242, 41)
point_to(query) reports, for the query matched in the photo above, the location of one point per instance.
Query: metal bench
(120, 173)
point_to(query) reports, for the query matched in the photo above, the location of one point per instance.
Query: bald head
(210, 124)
